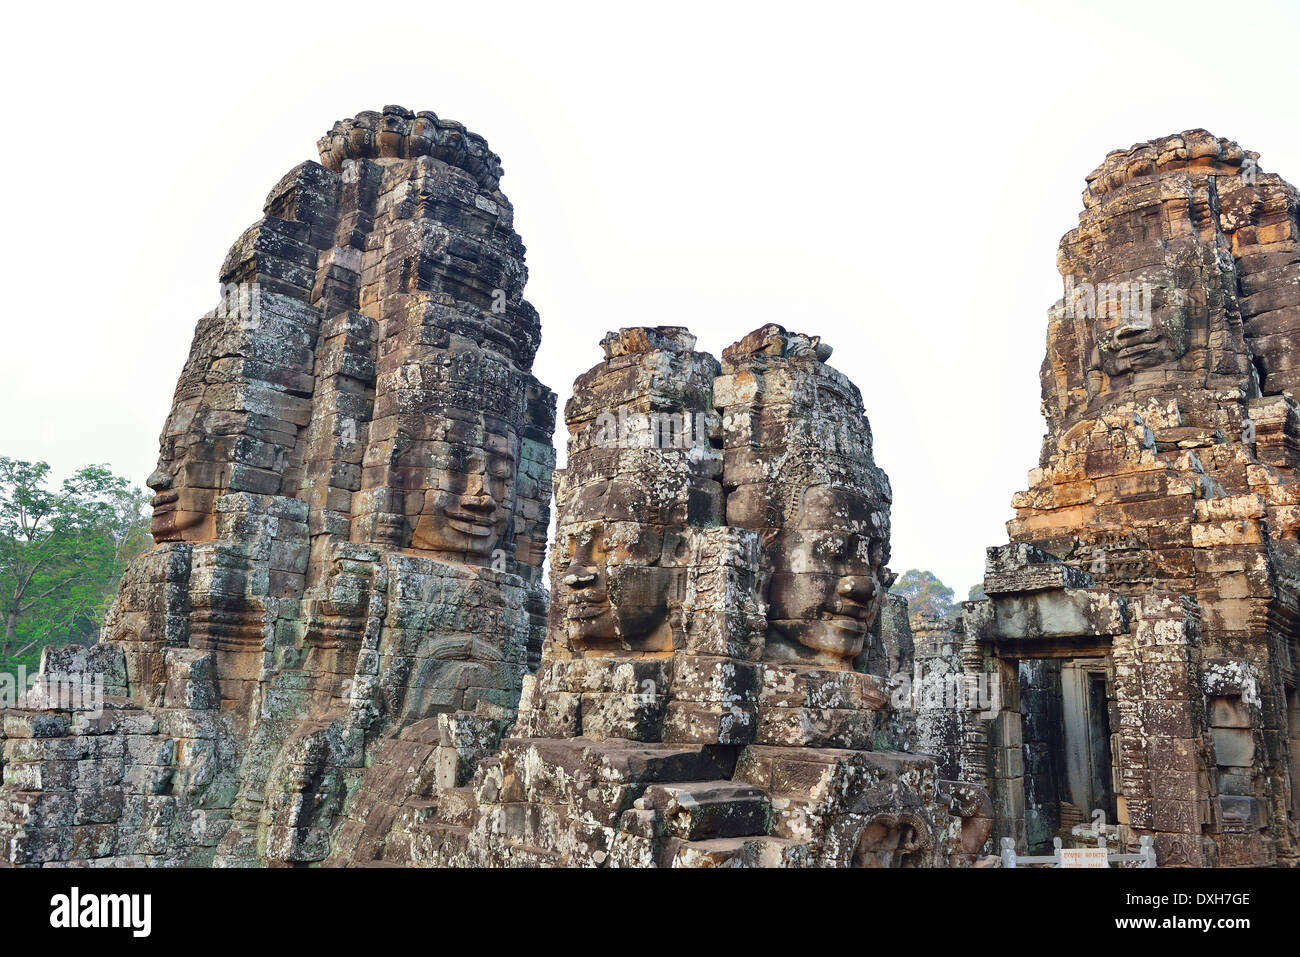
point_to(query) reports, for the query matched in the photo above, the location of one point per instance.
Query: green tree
(925, 593)
(61, 554)
(976, 592)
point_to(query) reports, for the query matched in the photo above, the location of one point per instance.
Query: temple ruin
(343, 650)
(712, 687)
(1143, 620)
(353, 493)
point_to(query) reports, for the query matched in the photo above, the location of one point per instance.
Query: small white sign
(1083, 857)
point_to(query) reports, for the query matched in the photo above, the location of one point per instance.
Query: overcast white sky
(894, 178)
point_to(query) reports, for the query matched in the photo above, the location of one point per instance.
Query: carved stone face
(1141, 321)
(471, 493)
(612, 583)
(444, 674)
(827, 584)
(183, 510)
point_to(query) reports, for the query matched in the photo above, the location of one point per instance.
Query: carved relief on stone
(642, 470)
(1168, 463)
(332, 635)
(1154, 297)
(661, 676)
(457, 468)
(353, 485)
(799, 469)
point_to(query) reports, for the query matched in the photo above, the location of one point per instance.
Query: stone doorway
(1066, 707)
(1128, 671)
(1086, 699)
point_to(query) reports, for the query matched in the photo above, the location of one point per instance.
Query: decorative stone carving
(1167, 470)
(799, 469)
(325, 656)
(352, 495)
(661, 729)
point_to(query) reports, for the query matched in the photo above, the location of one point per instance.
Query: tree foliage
(925, 593)
(62, 552)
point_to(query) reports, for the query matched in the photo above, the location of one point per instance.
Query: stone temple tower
(1153, 579)
(352, 498)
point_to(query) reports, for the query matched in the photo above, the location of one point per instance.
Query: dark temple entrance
(1065, 707)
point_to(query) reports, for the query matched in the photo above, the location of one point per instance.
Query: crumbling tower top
(397, 133)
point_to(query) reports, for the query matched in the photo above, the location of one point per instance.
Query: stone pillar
(1164, 788)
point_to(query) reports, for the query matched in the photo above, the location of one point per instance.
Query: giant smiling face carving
(616, 574)
(827, 584)
(471, 495)
(1142, 321)
(187, 479)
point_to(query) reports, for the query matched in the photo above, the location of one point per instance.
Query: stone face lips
(352, 500)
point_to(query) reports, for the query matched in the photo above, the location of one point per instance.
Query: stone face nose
(855, 588)
(159, 480)
(580, 577)
(479, 501)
